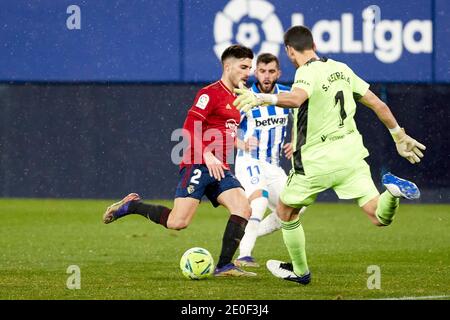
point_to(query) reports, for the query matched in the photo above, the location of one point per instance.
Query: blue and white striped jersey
(268, 125)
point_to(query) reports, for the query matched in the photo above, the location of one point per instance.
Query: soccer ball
(197, 263)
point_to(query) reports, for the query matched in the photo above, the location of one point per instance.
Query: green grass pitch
(135, 259)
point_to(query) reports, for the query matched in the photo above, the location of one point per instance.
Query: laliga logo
(384, 38)
(245, 19)
(254, 24)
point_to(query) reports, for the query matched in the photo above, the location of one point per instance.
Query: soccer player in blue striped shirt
(260, 143)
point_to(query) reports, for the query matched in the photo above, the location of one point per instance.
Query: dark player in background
(204, 169)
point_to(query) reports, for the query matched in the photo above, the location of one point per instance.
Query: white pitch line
(416, 298)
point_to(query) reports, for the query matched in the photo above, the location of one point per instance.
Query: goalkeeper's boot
(247, 261)
(400, 188)
(230, 270)
(285, 270)
(119, 209)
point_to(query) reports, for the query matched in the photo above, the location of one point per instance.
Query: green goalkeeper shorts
(351, 183)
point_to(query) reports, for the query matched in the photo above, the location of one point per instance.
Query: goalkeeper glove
(248, 99)
(406, 146)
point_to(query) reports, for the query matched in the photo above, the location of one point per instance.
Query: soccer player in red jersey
(210, 129)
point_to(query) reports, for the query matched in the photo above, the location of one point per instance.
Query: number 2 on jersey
(339, 97)
(197, 174)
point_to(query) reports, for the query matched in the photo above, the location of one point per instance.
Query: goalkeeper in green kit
(328, 149)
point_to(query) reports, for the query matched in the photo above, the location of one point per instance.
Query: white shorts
(255, 175)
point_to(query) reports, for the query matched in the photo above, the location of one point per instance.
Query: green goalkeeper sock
(387, 207)
(294, 239)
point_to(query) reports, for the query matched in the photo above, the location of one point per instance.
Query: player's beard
(266, 87)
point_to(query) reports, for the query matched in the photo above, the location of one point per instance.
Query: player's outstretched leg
(285, 270)
(119, 209)
(389, 202)
(270, 224)
(236, 202)
(245, 259)
(230, 270)
(400, 188)
(294, 240)
(132, 204)
(234, 231)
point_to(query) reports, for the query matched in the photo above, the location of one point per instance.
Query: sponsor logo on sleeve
(202, 101)
(301, 81)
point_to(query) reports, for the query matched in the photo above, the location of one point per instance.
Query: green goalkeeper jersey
(325, 135)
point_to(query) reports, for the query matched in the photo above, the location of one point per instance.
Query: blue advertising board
(90, 40)
(442, 27)
(181, 41)
(381, 42)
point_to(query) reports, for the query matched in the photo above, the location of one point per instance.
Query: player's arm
(301, 90)
(214, 165)
(248, 99)
(380, 108)
(194, 121)
(407, 147)
(239, 144)
(288, 146)
(250, 144)
(288, 150)
(293, 99)
(246, 145)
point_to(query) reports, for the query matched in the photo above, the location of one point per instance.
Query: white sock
(270, 224)
(259, 206)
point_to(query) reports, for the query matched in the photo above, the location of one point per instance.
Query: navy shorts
(195, 182)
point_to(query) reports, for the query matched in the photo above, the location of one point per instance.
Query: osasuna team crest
(232, 125)
(202, 101)
(190, 188)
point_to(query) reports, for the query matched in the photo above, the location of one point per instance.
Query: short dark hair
(299, 37)
(267, 58)
(237, 51)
